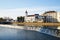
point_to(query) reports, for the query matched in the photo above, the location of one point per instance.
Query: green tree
(20, 19)
(1, 19)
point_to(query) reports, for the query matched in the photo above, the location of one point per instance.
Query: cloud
(21, 11)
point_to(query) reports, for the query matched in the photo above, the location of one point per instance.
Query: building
(30, 18)
(8, 19)
(41, 18)
(33, 18)
(58, 16)
(50, 16)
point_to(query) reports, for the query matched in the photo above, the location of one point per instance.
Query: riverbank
(42, 30)
(19, 27)
(12, 26)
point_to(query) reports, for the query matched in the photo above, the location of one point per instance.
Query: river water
(20, 34)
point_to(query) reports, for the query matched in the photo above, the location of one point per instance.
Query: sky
(14, 8)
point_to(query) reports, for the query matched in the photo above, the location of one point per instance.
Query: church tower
(26, 13)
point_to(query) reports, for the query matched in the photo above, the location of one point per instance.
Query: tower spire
(26, 13)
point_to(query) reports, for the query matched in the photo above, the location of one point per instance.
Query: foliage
(1, 19)
(20, 19)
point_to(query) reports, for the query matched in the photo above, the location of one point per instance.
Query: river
(20, 34)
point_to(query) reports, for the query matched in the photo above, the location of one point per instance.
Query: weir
(47, 28)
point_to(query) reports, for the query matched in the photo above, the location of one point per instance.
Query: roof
(30, 15)
(50, 12)
(44, 14)
(33, 15)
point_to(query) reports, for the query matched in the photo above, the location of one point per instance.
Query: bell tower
(26, 13)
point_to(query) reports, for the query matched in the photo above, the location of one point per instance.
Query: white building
(8, 19)
(29, 18)
(50, 16)
(33, 18)
(58, 16)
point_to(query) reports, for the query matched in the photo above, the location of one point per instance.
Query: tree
(1, 19)
(20, 19)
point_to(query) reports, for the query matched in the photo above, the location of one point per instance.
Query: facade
(33, 18)
(29, 18)
(50, 16)
(58, 16)
(41, 18)
(7, 19)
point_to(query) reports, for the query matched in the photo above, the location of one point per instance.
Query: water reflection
(19, 34)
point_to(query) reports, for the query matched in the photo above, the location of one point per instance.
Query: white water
(12, 26)
(46, 31)
(20, 27)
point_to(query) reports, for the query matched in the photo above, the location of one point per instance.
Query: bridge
(37, 24)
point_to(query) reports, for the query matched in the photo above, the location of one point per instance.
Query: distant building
(7, 19)
(58, 16)
(33, 18)
(30, 18)
(41, 18)
(50, 16)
